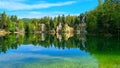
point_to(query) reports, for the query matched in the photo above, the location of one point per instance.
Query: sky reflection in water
(40, 57)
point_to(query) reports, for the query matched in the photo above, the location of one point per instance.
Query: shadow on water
(74, 49)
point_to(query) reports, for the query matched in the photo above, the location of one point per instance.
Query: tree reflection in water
(61, 41)
(66, 40)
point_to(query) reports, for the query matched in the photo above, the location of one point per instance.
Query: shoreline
(3, 33)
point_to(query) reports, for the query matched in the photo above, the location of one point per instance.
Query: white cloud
(35, 14)
(38, 14)
(17, 5)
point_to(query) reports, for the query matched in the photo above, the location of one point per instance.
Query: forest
(104, 19)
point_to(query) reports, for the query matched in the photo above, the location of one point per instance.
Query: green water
(51, 51)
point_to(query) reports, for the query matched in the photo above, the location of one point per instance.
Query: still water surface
(59, 51)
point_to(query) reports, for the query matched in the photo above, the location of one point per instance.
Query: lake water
(59, 51)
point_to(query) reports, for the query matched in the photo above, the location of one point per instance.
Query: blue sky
(41, 8)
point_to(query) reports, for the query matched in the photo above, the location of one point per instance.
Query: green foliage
(3, 20)
(14, 18)
(20, 25)
(11, 25)
(105, 18)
